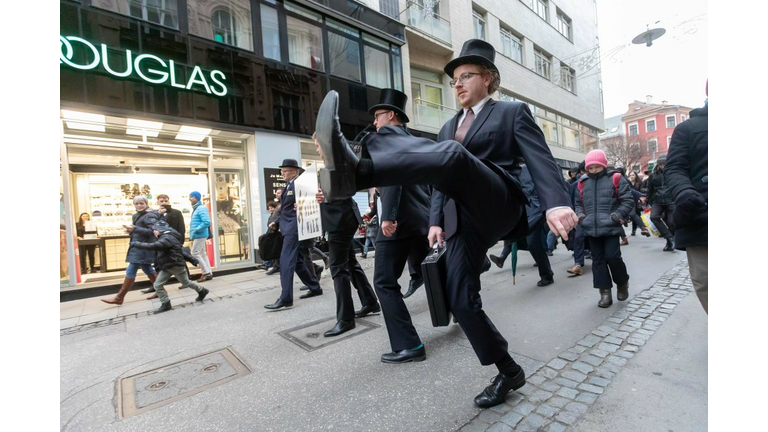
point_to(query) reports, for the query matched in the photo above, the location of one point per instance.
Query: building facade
(653, 125)
(547, 53)
(171, 96)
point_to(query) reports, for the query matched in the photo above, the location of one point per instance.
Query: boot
(164, 307)
(605, 298)
(670, 245)
(118, 299)
(498, 261)
(337, 179)
(152, 279)
(622, 292)
(624, 241)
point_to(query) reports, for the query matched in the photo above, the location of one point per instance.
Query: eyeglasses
(376, 116)
(462, 78)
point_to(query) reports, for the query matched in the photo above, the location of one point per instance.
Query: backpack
(616, 181)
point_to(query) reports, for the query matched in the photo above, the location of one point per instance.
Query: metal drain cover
(310, 336)
(152, 389)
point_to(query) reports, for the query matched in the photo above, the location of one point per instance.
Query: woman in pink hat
(603, 203)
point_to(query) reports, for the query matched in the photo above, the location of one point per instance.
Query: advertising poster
(307, 207)
(273, 182)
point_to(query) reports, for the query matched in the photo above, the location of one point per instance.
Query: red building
(654, 124)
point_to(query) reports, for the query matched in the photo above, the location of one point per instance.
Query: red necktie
(461, 132)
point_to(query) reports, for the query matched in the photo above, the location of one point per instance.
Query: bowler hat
(474, 51)
(394, 100)
(291, 163)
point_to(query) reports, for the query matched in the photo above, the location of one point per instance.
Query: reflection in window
(397, 63)
(163, 12)
(305, 44)
(345, 57)
(376, 68)
(270, 33)
(225, 21)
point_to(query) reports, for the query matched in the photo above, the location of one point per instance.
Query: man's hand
(161, 211)
(561, 221)
(272, 226)
(388, 228)
(319, 196)
(436, 234)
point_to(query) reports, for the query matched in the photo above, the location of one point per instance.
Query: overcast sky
(673, 69)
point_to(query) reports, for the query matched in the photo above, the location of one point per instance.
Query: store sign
(273, 182)
(148, 67)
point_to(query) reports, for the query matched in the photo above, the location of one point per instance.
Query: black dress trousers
(344, 270)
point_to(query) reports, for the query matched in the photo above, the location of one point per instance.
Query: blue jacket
(198, 226)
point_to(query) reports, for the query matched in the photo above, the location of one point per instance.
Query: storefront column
(212, 200)
(68, 209)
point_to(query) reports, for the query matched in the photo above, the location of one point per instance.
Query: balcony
(429, 22)
(429, 116)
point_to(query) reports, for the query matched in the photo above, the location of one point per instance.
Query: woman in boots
(141, 231)
(601, 209)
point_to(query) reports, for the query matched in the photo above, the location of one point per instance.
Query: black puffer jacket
(687, 177)
(599, 203)
(657, 188)
(168, 248)
(143, 222)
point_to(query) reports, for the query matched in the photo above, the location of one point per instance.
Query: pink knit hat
(596, 157)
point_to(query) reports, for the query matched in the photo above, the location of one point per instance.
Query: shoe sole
(369, 313)
(277, 309)
(324, 131)
(414, 359)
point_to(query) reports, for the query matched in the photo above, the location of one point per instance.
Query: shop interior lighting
(175, 150)
(151, 129)
(190, 133)
(89, 121)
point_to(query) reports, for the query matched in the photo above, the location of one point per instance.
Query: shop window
(305, 44)
(226, 21)
(232, 210)
(377, 68)
(162, 12)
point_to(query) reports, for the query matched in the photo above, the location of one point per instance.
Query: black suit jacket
(287, 219)
(340, 215)
(409, 207)
(502, 133)
(176, 221)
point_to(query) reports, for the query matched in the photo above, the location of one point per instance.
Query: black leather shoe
(413, 285)
(201, 295)
(273, 271)
(339, 328)
(670, 246)
(496, 260)
(164, 307)
(405, 356)
(337, 179)
(545, 282)
(605, 298)
(501, 384)
(148, 290)
(486, 265)
(622, 292)
(311, 294)
(366, 310)
(279, 304)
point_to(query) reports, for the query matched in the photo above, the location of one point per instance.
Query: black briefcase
(433, 270)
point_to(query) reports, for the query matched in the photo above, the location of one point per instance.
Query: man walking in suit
(477, 200)
(341, 219)
(290, 259)
(404, 216)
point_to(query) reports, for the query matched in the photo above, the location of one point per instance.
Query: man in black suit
(404, 215)
(341, 219)
(290, 259)
(477, 199)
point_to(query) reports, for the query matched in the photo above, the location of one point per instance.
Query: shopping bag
(646, 217)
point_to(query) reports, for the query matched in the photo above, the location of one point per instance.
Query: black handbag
(270, 245)
(433, 270)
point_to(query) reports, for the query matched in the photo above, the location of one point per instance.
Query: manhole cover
(310, 336)
(152, 389)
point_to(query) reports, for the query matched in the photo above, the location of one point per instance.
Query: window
(344, 51)
(305, 44)
(389, 8)
(543, 63)
(669, 140)
(377, 68)
(682, 118)
(478, 24)
(564, 24)
(652, 146)
(506, 96)
(567, 78)
(397, 66)
(670, 122)
(540, 7)
(650, 125)
(511, 46)
(229, 22)
(163, 12)
(270, 33)
(594, 9)
(633, 129)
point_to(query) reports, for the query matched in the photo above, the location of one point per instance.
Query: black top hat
(392, 99)
(291, 163)
(474, 51)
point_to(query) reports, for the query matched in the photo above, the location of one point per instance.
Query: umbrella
(514, 261)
